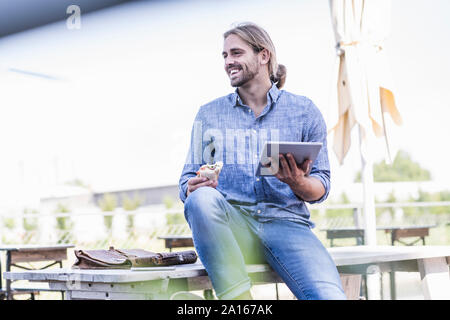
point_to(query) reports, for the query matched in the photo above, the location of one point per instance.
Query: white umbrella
(364, 88)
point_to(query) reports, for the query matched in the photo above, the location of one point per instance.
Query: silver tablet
(300, 150)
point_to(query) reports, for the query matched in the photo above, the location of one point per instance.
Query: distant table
(30, 253)
(430, 261)
(177, 241)
(397, 233)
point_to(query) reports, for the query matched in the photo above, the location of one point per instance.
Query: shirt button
(259, 211)
(249, 110)
(254, 131)
(257, 179)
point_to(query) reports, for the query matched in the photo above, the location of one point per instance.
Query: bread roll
(210, 171)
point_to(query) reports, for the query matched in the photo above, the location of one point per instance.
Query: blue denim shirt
(227, 130)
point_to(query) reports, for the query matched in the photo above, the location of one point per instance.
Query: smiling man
(242, 218)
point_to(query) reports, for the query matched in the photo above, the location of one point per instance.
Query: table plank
(342, 256)
(381, 228)
(55, 254)
(433, 266)
(374, 254)
(31, 247)
(117, 275)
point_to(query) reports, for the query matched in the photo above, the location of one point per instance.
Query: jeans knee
(204, 200)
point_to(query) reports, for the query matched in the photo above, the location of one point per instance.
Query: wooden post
(370, 238)
(434, 273)
(9, 295)
(351, 283)
(358, 224)
(357, 217)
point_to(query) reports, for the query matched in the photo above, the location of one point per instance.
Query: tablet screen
(300, 150)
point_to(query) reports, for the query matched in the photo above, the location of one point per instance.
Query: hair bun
(280, 76)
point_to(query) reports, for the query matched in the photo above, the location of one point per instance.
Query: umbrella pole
(373, 274)
(370, 238)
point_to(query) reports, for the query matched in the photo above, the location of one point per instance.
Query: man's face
(241, 63)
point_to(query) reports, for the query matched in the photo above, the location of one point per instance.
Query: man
(243, 218)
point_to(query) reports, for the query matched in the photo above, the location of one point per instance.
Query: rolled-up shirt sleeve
(317, 132)
(193, 159)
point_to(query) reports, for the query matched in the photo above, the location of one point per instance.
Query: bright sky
(133, 77)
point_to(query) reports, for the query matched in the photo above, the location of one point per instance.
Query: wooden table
(398, 233)
(177, 241)
(30, 253)
(430, 261)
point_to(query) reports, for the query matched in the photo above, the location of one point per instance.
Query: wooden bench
(430, 261)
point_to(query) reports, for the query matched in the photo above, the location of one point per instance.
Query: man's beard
(247, 75)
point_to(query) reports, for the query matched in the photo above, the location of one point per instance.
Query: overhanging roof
(20, 15)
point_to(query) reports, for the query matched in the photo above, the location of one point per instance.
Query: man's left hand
(289, 172)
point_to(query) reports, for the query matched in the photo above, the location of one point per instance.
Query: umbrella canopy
(364, 87)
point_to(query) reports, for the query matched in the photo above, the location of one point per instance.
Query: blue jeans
(227, 239)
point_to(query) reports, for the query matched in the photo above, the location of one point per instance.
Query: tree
(77, 183)
(108, 204)
(30, 224)
(63, 224)
(174, 217)
(402, 169)
(131, 205)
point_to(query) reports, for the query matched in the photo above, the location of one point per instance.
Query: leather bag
(127, 258)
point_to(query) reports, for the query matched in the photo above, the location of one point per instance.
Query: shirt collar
(274, 92)
(272, 96)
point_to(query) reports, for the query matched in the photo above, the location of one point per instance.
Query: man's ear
(264, 56)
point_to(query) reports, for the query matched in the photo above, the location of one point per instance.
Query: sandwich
(210, 171)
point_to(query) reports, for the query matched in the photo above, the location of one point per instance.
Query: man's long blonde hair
(257, 38)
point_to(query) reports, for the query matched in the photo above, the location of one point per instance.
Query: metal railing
(149, 224)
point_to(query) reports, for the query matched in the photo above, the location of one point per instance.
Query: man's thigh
(246, 232)
(208, 209)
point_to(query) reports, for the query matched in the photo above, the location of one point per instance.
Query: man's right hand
(197, 182)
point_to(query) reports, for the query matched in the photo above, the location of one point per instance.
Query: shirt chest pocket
(276, 190)
(286, 132)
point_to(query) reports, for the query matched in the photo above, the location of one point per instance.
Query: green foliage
(108, 221)
(175, 218)
(402, 169)
(169, 202)
(391, 199)
(344, 199)
(63, 224)
(131, 204)
(9, 223)
(172, 218)
(30, 224)
(130, 224)
(428, 197)
(77, 183)
(108, 202)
